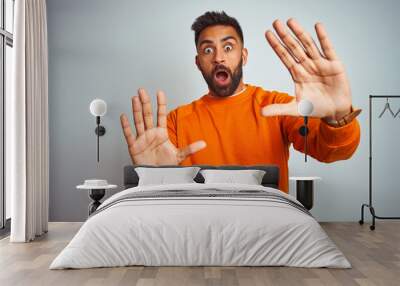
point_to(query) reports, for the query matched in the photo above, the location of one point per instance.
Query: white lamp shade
(98, 107)
(305, 107)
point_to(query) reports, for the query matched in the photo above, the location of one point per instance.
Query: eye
(228, 48)
(208, 50)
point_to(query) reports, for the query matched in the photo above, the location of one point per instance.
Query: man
(238, 123)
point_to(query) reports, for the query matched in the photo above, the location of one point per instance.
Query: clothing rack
(371, 208)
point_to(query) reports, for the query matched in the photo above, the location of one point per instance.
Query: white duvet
(200, 231)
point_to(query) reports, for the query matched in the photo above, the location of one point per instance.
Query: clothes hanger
(387, 106)
(398, 111)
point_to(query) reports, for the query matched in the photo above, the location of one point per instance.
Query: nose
(219, 56)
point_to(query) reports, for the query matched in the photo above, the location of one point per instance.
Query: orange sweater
(237, 134)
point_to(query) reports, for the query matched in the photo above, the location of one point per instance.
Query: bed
(201, 224)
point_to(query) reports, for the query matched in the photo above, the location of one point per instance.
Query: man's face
(220, 56)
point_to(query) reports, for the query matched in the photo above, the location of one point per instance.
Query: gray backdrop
(108, 49)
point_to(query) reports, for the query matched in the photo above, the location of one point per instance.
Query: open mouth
(221, 77)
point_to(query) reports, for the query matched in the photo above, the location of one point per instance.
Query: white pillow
(162, 176)
(249, 177)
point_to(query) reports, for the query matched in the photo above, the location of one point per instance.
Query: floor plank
(374, 255)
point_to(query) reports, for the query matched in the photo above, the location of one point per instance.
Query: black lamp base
(303, 130)
(100, 130)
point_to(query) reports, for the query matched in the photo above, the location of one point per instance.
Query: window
(6, 45)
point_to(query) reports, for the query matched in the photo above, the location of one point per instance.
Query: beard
(229, 88)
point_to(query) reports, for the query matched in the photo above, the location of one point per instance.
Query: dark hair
(213, 18)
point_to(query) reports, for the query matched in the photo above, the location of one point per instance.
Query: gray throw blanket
(206, 194)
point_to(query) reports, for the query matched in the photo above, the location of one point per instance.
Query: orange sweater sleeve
(172, 127)
(324, 143)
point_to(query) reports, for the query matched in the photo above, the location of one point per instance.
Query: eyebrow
(222, 40)
(229, 38)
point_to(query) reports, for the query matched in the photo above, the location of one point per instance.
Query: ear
(197, 62)
(244, 56)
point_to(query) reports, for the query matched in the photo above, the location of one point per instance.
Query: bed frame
(270, 179)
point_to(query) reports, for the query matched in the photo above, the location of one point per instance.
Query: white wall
(107, 49)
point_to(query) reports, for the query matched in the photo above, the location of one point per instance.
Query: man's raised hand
(151, 144)
(319, 76)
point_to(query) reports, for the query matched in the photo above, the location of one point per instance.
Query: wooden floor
(374, 255)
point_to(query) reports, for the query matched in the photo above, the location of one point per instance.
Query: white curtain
(27, 142)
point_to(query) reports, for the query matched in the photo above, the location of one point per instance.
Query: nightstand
(305, 190)
(97, 189)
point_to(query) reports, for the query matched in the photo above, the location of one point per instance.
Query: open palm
(318, 76)
(151, 145)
